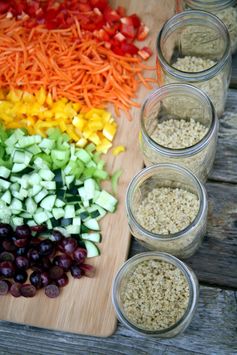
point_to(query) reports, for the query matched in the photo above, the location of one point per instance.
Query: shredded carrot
(68, 63)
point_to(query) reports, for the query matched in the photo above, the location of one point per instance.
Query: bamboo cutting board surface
(85, 306)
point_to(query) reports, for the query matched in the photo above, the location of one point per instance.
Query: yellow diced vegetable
(109, 131)
(117, 150)
(81, 143)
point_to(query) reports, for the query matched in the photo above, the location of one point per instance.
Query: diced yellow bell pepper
(94, 138)
(109, 131)
(81, 143)
(117, 150)
(104, 146)
(41, 96)
(79, 122)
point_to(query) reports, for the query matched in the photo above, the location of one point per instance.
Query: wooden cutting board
(85, 306)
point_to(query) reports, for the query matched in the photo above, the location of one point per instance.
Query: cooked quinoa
(155, 295)
(167, 210)
(215, 88)
(178, 134)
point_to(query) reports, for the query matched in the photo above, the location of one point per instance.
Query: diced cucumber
(25, 215)
(16, 206)
(63, 231)
(58, 213)
(25, 181)
(4, 172)
(34, 179)
(40, 163)
(106, 201)
(40, 217)
(31, 206)
(49, 224)
(34, 149)
(62, 155)
(14, 178)
(48, 202)
(31, 223)
(89, 186)
(91, 248)
(46, 174)
(73, 229)
(69, 211)
(39, 197)
(23, 193)
(6, 197)
(66, 222)
(93, 237)
(15, 187)
(36, 189)
(4, 185)
(84, 215)
(92, 224)
(49, 185)
(59, 203)
(17, 167)
(47, 144)
(68, 180)
(22, 157)
(83, 155)
(17, 195)
(29, 140)
(18, 221)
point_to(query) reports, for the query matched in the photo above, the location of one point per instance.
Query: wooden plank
(215, 263)
(212, 331)
(225, 166)
(85, 306)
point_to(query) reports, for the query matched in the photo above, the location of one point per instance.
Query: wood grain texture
(85, 306)
(225, 165)
(212, 331)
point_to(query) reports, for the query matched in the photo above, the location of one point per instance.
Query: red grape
(5, 230)
(64, 261)
(8, 245)
(79, 255)
(28, 290)
(6, 256)
(33, 255)
(52, 291)
(46, 247)
(55, 272)
(22, 262)
(35, 279)
(15, 290)
(20, 276)
(76, 272)
(23, 232)
(22, 251)
(89, 270)
(7, 269)
(4, 287)
(57, 236)
(45, 279)
(38, 229)
(62, 281)
(69, 245)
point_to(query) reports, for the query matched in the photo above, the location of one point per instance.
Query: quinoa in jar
(225, 10)
(155, 294)
(179, 125)
(167, 209)
(194, 47)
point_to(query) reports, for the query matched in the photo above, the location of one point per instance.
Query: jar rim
(188, 151)
(185, 172)
(209, 5)
(179, 19)
(188, 274)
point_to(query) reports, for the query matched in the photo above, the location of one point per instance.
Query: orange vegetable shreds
(38, 112)
(67, 64)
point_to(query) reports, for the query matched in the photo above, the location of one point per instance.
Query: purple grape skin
(46, 263)
(38, 229)
(23, 232)
(7, 256)
(7, 269)
(34, 243)
(89, 270)
(64, 261)
(22, 262)
(21, 242)
(5, 230)
(57, 236)
(4, 287)
(22, 251)
(62, 281)
(76, 272)
(15, 290)
(20, 276)
(52, 291)
(45, 280)
(46, 247)
(8, 245)
(69, 245)
(55, 272)
(79, 255)
(33, 255)
(28, 290)
(35, 279)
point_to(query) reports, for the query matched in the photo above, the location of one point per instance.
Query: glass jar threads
(155, 294)
(179, 125)
(194, 47)
(225, 10)
(167, 209)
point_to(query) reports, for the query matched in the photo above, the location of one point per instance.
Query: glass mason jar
(225, 10)
(179, 102)
(183, 243)
(194, 47)
(119, 286)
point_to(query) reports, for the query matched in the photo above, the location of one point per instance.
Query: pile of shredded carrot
(68, 64)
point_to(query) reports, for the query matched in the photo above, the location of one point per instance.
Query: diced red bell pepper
(84, 7)
(120, 37)
(135, 20)
(121, 11)
(129, 48)
(111, 15)
(111, 29)
(4, 7)
(127, 30)
(99, 4)
(145, 53)
(142, 32)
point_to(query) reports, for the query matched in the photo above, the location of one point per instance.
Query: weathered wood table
(214, 327)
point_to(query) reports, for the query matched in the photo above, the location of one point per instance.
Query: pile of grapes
(29, 263)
